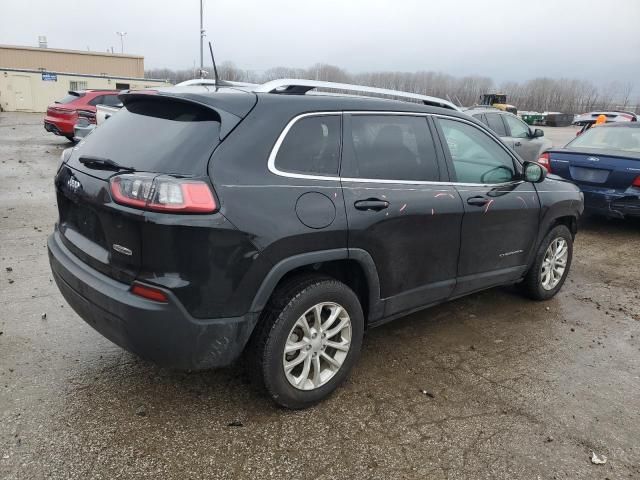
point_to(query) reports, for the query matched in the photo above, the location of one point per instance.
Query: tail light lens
(163, 193)
(60, 111)
(636, 182)
(545, 161)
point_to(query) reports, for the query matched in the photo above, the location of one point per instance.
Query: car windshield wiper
(103, 164)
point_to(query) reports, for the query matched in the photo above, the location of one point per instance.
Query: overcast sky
(503, 39)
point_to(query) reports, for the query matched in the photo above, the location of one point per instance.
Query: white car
(88, 121)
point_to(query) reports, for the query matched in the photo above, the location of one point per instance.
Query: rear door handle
(374, 204)
(478, 201)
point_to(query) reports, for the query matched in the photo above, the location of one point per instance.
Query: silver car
(527, 143)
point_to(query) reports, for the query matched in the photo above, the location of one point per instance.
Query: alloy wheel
(317, 346)
(554, 263)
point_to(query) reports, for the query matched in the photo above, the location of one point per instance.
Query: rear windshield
(156, 135)
(70, 98)
(609, 138)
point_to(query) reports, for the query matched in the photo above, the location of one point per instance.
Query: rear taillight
(545, 161)
(60, 111)
(163, 193)
(149, 293)
(636, 182)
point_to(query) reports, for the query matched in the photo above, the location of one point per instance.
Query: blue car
(605, 163)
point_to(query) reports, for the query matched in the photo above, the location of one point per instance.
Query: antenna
(215, 69)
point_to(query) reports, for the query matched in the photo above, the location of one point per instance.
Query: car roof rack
(200, 82)
(483, 107)
(288, 86)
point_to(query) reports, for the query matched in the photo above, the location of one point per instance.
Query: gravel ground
(514, 389)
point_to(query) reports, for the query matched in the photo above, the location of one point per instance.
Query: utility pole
(202, 35)
(121, 34)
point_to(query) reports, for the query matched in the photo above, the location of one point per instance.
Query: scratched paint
(522, 200)
(443, 194)
(403, 207)
(486, 209)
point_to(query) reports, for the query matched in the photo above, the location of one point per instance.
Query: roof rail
(290, 86)
(474, 107)
(220, 83)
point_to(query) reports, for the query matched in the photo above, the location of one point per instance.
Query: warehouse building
(32, 78)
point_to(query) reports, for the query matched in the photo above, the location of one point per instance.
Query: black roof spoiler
(230, 107)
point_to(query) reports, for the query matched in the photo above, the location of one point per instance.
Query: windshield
(603, 138)
(156, 136)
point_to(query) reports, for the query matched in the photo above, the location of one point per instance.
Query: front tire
(551, 265)
(307, 341)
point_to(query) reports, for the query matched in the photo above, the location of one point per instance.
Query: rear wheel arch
(353, 267)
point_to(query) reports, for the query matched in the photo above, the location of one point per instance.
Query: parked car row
(588, 120)
(527, 143)
(87, 122)
(605, 163)
(78, 107)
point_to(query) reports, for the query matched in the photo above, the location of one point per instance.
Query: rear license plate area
(590, 175)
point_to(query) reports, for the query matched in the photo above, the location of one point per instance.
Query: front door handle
(518, 144)
(478, 201)
(374, 204)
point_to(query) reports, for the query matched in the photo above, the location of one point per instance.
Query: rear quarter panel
(261, 204)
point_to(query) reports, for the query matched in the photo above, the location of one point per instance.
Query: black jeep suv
(200, 223)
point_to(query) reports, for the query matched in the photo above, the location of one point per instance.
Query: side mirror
(537, 133)
(534, 172)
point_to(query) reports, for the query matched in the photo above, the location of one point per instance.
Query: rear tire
(551, 265)
(290, 322)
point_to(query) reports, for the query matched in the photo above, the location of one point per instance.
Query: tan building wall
(71, 61)
(29, 91)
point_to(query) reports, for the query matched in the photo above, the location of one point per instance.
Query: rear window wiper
(103, 164)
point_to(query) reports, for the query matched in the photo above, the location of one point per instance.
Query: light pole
(121, 34)
(202, 35)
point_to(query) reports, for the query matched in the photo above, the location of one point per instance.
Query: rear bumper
(59, 126)
(612, 203)
(164, 333)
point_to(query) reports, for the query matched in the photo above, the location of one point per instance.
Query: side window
(482, 118)
(518, 128)
(111, 101)
(477, 158)
(495, 123)
(97, 100)
(391, 147)
(312, 146)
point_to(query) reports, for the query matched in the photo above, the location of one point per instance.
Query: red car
(63, 114)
